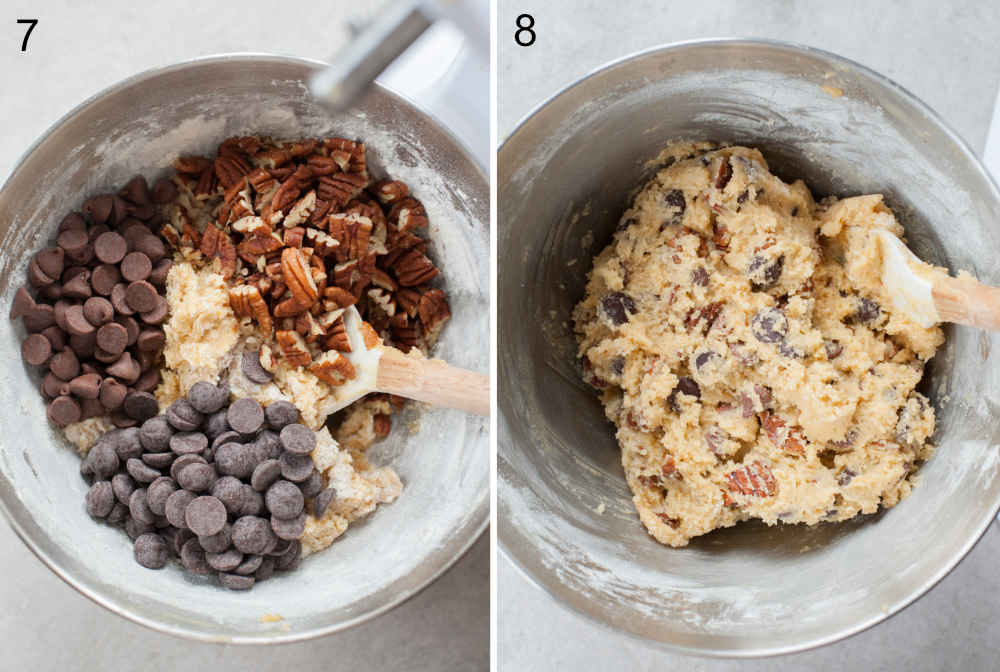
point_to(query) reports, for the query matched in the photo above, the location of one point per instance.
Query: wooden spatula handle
(434, 382)
(966, 301)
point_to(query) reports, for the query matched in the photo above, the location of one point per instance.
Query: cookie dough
(744, 347)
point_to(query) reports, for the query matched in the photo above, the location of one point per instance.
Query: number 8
(525, 28)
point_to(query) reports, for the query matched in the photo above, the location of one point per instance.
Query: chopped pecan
(340, 187)
(273, 158)
(294, 236)
(789, 440)
(354, 152)
(408, 214)
(293, 347)
(231, 169)
(337, 337)
(383, 301)
(309, 327)
(240, 146)
(301, 147)
(324, 244)
(408, 299)
(340, 296)
(251, 225)
(333, 368)
(382, 280)
(246, 301)
(434, 311)
(298, 276)
(721, 236)
(414, 268)
(301, 211)
(250, 249)
(753, 479)
(207, 184)
(191, 165)
(390, 191)
(290, 307)
(381, 425)
(215, 244)
(669, 520)
(322, 165)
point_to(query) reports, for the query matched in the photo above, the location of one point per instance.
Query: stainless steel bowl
(565, 513)
(141, 125)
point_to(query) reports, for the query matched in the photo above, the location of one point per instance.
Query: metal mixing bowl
(565, 513)
(141, 125)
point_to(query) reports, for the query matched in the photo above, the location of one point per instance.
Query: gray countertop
(74, 52)
(946, 54)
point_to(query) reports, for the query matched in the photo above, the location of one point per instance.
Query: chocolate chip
(250, 565)
(98, 311)
(73, 240)
(266, 570)
(123, 486)
(86, 386)
(158, 315)
(269, 444)
(158, 276)
(83, 345)
(56, 337)
(205, 516)
(289, 529)
(281, 413)
(235, 581)
(699, 276)
(252, 368)
(36, 350)
(253, 502)
(100, 499)
(76, 323)
(845, 477)
(617, 306)
(685, 385)
(118, 299)
(160, 461)
(225, 561)
(131, 328)
(99, 207)
(148, 381)
(245, 415)
(294, 467)
(298, 439)
(216, 425)
(233, 459)
(121, 420)
(113, 339)
(155, 433)
(22, 303)
(251, 534)
(197, 477)
(134, 529)
(139, 406)
(164, 191)
(183, 461)
(626, 222)
(63, 411)
(152, 247)
(229, 491)
(284, 500)
(118, 515)
(867, 310)
(176, 506)
(37, 277)
(141, 296)
(674, 199)
(265, 474)
(110, 247)
(126, 443)
(617, 365)
(141, 472)
(136, 266)
(51, 293)
(53, 387)
(104, 460)
(136, 191)
(788, 350)
(769, 325)
(322, 501)
(183, 416)
(139, 507)
(290, 560)
(204, 397)
(127, 371)
(51, 261)
(40, 317)
(112, 394)
(184, 443)
(151, 551)
(73, 220)
(764, 273)
(158, 492)
(193, 557)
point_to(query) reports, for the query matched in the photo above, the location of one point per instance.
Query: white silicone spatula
(931, 298)
(381, 368)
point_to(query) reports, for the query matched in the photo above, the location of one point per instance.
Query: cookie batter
(744, 347)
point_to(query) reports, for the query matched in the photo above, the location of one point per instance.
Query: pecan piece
(215, 244)
(434, 311)
(246, 301)
(252, 225)
(333, 368)
(294, 236)
(298, 276)
(340, 187)
(381, 424)
(191, 165)
(409, 300)
(753, 479)
(250, 249)
(408, 214)
(301, 211)
(231, 169)
(337, 337)
(414, 268)
(340, 296)
(293, 347)
(309, 327)
(322, 165)
(789, 440)
(390, 191)
(290, 307)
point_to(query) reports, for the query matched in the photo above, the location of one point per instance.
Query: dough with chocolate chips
(746, 351)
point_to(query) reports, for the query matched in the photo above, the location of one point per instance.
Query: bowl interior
(141, 126)
(565, 512)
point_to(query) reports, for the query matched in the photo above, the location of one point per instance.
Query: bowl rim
(9, 501)
(550, 586)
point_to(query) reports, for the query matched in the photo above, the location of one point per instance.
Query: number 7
(24, 42)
